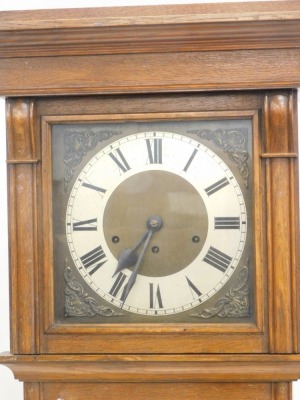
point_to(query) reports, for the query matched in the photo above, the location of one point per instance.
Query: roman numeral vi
(155, 297)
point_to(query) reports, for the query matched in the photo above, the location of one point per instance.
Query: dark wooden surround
(231, 58)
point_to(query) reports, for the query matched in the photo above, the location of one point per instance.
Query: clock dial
(156, 178)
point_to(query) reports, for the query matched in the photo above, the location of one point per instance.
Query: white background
(11, 389)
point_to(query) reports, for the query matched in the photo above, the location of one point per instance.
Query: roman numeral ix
(93, 187)
(87, 225)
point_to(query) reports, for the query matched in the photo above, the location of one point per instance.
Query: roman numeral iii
(227, 222)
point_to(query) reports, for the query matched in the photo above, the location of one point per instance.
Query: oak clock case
(152, 221)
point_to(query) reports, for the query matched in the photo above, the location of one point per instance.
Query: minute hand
(133, 276)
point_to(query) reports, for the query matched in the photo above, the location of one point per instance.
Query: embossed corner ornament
(233, 142)
(80, 304)
(77, 144)
(234, 304)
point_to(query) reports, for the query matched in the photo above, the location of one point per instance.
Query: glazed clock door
(153, 241)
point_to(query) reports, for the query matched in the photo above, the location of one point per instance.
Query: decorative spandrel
(235, 303)
(78, 303)
(77, 145)
(234, 142)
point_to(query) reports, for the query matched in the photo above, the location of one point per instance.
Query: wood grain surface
(203, 58)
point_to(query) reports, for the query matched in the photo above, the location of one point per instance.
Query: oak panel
(23, 221)
(229, 70)
(32, 391)
(155, 344)
(158, 391)
(281, 179)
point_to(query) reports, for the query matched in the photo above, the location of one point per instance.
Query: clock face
(156, 223)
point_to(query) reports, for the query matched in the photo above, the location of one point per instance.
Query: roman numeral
(217, 259)
(119, 287)
(88, 225)
(193, 288)
(93, 260)
(97, 188)
(120, 160)
(154, 149)
(190, 160)
(155, 297)
(217, 186)
(227, 222)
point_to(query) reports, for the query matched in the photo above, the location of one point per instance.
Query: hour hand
(128, 257)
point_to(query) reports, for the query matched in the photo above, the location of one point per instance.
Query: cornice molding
(197, 27)
(150, 15)
(83, 368)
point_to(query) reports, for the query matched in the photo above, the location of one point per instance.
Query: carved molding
(235, 303)
(280, 138)
(247, 368)
(22, 146)
(195, 27)
(78, 143)
(80, 304)
(234, 142)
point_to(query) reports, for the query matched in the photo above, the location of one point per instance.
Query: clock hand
(154, 224)
(133, 276)
(128, 257)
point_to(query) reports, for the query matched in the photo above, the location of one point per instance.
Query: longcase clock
(153, 201)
